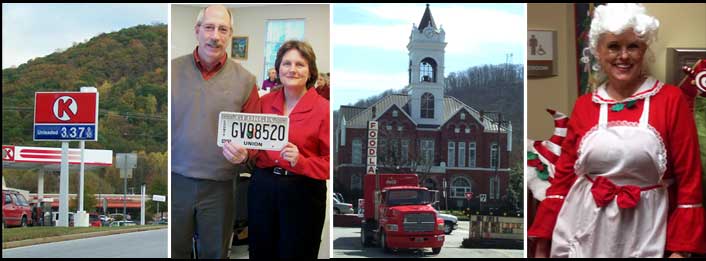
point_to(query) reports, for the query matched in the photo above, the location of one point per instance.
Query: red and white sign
(469, 195)
(53, 155)
(65, 116)
(8, 153)
(66, 107)
(372, 147)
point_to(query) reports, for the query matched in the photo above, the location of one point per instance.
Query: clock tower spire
(426, 70)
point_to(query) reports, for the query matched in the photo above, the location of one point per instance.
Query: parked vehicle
(338, 196)
(94, 220)
(15, 210)
(123, 223)
(342, 208)
(400, 214)
(450, 222)
(55, 218)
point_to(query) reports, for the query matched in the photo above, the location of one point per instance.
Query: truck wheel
(24, 221)
(448, 228)
(436, 250)
(364, 237)
(383, 242)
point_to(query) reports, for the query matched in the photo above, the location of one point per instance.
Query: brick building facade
(452, 147)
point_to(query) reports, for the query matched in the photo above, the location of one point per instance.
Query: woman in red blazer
(287, 193)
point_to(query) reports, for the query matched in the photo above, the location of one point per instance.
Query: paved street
(150, 244)
(346, 244)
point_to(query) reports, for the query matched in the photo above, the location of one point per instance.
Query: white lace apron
(627, 159)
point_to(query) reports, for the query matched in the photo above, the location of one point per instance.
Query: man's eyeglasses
(221, 29)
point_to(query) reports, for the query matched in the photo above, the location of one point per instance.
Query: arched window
(459, 187)
(409, 71)
(427, 70)
(427, 108)
(494, 155)
(357, 151)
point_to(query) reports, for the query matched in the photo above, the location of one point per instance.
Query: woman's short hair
(618, 17)
(306, 52)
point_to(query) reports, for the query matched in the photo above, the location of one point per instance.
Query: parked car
(105, 220)
(123, 223)
(55, 218)
(338, 196)
(94, 220)
(15, 210)
(450, 222)
(342, 208)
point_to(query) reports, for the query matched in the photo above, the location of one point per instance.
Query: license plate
(418, 239)
(253, 131)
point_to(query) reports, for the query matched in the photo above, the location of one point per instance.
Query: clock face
(428, 32)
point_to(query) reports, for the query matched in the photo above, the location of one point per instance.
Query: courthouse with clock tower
(453, 148)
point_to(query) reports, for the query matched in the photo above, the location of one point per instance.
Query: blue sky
(36, 30)
(370, 42)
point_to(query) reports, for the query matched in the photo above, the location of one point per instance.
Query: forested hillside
(129, 68)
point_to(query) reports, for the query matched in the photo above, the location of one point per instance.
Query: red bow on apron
(604, 191)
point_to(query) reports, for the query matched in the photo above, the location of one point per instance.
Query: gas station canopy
(22, 157)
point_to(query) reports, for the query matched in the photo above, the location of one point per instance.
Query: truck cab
(404, 218)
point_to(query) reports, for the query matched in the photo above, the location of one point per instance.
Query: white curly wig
(616, 18)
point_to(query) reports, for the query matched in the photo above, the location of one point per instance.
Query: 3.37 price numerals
(75, 132)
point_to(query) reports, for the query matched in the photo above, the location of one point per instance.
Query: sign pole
(80, 187)
(124, 193)
(64, 186)
(142, 206)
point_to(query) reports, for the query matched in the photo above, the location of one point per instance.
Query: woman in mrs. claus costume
(628, 182)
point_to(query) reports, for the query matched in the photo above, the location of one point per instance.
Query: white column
(80, 186)
(40, 186)
(64, 186)
(142, 206)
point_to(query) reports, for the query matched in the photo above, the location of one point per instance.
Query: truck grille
(419, 222)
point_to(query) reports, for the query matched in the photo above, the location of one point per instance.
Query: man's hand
(290, 153)
(234, 153)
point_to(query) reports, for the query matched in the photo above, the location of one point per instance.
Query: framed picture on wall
(239, 48)
(679, 57)
(541, 53)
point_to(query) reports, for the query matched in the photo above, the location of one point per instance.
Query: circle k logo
(65, 107)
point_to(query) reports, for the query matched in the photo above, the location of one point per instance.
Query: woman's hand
(234, 153)
(290, 153)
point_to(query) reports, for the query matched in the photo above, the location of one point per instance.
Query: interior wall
(681, 26)
(250, 21)
(555, 92)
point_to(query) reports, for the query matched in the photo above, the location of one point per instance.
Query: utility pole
(499, 123)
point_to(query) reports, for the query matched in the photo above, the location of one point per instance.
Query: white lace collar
(650, 87)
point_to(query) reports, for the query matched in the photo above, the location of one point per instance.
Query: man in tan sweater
(203, 84)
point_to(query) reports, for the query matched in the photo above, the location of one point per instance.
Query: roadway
(346, 244)
(148, 244)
